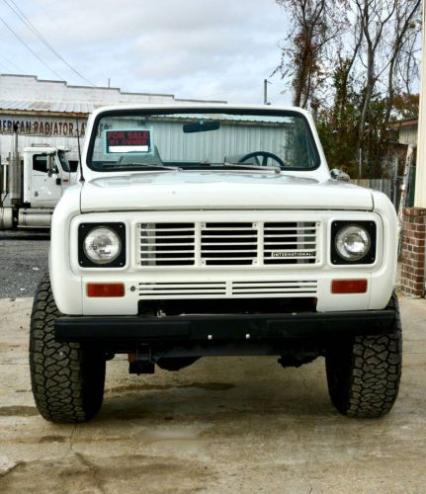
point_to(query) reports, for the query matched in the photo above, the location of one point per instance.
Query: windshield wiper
(275, 168)
(152, 166)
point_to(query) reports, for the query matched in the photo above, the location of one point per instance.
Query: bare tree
(357, 60)
(341, 62)
(374, 16)
(404, 25)
(408, 69)
(301, 55)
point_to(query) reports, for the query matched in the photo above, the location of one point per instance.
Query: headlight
(352, 243)
(102, 245)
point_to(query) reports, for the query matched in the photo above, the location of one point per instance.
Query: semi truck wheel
(67, 379)
(363, 374)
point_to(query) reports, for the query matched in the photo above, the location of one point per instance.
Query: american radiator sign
(42, 126)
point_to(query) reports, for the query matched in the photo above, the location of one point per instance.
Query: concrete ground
(224, 425)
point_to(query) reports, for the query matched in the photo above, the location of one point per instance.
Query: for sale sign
(128, 141)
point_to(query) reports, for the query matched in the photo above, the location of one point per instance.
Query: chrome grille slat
(310, 242)
(272, 290)
(171, 251)
(169, 230)
(166, 259)
(289, 235)
(288, 250)
(225, 236)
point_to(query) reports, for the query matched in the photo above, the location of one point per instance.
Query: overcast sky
(217, 49)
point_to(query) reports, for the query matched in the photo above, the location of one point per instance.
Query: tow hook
(140, 362)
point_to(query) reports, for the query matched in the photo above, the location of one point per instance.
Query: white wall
(420, 196)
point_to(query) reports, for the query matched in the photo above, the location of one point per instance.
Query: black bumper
(230, 328)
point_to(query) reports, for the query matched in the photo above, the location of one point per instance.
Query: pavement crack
(93, 470)
(10, 469)
(71, 439)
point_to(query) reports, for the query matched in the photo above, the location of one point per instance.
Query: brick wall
(413, 252)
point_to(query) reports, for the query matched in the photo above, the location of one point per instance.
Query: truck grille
(290, 243)
(167, 244)
(228, 244)
(241, 289)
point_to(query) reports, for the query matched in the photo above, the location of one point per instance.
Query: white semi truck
(31, 184)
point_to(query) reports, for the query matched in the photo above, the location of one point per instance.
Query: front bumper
(127, 332)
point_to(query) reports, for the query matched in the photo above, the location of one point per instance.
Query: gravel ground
(23, 260)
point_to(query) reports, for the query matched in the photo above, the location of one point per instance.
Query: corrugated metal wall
(229, 140)
(408, 135)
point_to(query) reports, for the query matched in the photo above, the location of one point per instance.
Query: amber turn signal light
(349, 286)
(105, 289)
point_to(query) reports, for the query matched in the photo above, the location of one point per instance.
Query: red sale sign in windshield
(128, 141)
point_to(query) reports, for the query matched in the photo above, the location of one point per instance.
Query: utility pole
(265, 92)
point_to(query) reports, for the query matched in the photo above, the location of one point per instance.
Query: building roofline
(42, 113)
(115, 89)
(31, 76)
(407, 122)
(211, 101)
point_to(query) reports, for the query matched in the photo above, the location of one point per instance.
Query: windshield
(193, 140)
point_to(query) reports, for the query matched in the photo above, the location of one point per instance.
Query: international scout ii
(215, 230)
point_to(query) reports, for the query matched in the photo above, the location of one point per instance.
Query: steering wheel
(264, 155)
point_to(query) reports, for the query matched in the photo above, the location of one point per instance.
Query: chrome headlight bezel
(340, 227)
(86, 229)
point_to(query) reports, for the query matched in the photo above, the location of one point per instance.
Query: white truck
(197, 231)
(31, 185)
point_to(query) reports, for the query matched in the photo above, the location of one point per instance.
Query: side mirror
(51, 167)
(338, 174)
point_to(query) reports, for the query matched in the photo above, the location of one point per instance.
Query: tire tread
(364, 375)
(67, 380)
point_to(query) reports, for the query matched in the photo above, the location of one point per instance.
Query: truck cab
(32, 184)
(47, 174)
(213, 231)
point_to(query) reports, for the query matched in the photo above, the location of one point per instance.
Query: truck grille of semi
(228, 244)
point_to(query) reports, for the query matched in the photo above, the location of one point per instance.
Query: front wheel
(67, 379)
(364, 373)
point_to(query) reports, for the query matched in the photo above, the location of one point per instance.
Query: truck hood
(180, 190)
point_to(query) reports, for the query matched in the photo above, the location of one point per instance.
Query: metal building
(47, 111)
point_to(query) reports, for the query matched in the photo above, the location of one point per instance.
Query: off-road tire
(363, 373)
(67, 380)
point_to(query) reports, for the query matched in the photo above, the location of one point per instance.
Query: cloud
(217, 49)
